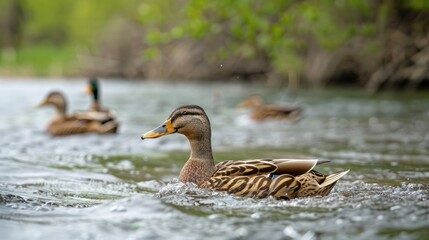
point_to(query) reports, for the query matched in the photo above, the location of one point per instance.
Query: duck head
(190, 120)
(93, 88)
(56, 99)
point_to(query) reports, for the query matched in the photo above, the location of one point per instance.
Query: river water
(120, 187)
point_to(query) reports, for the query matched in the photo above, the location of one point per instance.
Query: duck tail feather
(330, 179)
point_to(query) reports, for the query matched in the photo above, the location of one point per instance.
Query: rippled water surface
(119, 187)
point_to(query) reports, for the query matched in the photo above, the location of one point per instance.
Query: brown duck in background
(64, 124)
(260, 178)
(261, 112)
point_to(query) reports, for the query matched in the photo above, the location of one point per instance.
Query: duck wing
(68, 127)
(260, 177)
(101, 117)
(82, 123)
(276, 112)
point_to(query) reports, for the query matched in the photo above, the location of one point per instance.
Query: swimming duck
(262, 112)
(93, 89)
(64, 124)
(259, 178)
(96, 110)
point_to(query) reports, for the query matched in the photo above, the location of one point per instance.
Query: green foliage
(419, 5)
(91, 16)
(47, 21)
(72, 21)
(41, 60)
(280, 30)
(51, 27)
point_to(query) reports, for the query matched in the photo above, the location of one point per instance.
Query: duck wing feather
(260, 177)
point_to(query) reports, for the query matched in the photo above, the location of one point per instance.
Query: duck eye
(184, 112)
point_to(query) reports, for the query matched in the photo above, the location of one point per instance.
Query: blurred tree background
(298, 43)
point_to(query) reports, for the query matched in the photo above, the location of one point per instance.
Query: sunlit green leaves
(48, 20)
(151, 53)
(421, 5)
(278, 29)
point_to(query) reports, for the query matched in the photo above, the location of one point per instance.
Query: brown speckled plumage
(261, 112)
(259, 178)
(84, 122)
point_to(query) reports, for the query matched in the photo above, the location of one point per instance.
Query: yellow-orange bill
(165, 129)
(88, 89)
(42, 104)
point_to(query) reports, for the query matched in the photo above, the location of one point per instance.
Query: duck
(261, 112)
(257, 178)
(93, 89)
(67, 124)
(96, 111)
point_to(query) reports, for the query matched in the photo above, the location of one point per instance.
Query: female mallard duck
(280, 178)
(262, 112)
(64, 124)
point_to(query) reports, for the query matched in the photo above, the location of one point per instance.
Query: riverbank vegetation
(364, 43)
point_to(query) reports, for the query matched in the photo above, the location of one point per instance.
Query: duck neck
(201, 149)
(200, 166)
(95, 106)
(95, 97)
(61, 110)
